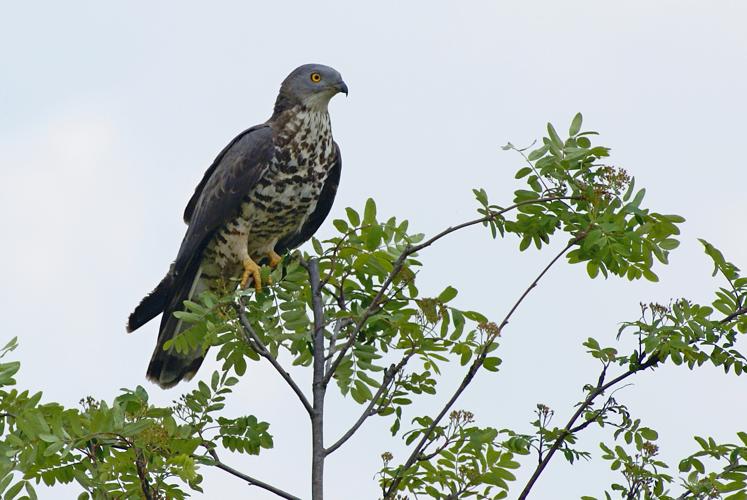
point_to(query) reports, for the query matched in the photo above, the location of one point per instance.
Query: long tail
(167, 367)
(154, 303)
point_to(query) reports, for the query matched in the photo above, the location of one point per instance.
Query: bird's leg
(274, 258)
(251, 269)
(274, 261)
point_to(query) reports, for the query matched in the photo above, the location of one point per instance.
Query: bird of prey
(267, 192)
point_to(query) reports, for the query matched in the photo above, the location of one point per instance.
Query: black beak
(341, 87)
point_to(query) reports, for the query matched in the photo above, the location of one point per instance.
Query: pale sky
(111, 111)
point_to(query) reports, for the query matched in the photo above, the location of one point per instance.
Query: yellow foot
(251, 269)
(274, 259)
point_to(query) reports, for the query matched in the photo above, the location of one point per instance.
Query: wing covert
(218, 197)
(190, 208)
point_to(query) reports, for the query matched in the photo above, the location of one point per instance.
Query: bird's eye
(316, 77)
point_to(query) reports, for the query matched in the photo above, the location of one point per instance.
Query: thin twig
(339, 325)
(601, 411)
(256, 343)
(370, 310)
(567, 430)
(653, 360)
(735, 314)
(425, 457)
(476, 364)
(487, 218)
(249, 479)
(410, 250)
(389, 375)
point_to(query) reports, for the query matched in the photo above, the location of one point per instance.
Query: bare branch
(249, 479)
(318, 385)
(256, 343)
(389, 375)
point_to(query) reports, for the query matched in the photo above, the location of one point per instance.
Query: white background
(111, 111)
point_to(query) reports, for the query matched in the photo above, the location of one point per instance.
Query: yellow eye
(316, 77)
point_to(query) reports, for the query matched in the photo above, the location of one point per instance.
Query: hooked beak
(341, 87)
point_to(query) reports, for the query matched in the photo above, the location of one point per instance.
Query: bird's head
(311, 85)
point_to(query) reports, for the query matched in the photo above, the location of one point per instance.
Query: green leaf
(575, 125)
(592, 268)
(669, 244)
(373, 239)
(353, 216)
(523, 172)
(13, 491)
(360, 392)
(475, 316)
(537, 153)
(369, 213)
(448, 294)
(492, 364)
(650, 275)
(30, 491)
(648, 434)
(554, 137)
(6, 481)
(638, 198)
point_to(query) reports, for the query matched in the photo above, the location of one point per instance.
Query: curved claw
(274, 259)
(251, 269)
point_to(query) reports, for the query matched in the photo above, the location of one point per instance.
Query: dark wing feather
(232, 176)
(152, 304)
(323, 206)
(217, 198)
(190, 208)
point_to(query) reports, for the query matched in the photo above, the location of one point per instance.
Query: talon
(274, 259)
(251, 269)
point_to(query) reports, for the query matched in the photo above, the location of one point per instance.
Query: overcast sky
(111, 111)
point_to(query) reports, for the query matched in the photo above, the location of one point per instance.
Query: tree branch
(249, 479)
(142, 474)
(568, 429)
(318, 384)
(389, 375)
(476, 364)
(739, 312)
(410, 250)
(256, 343)
(653, 360)
(488, 218)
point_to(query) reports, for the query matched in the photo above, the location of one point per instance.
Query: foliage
(351, 312)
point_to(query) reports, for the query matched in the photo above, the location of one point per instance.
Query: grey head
(310, 85)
